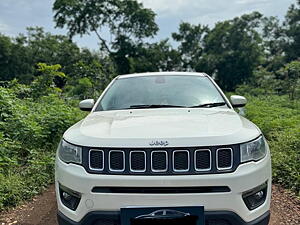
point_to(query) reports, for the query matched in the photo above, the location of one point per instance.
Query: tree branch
(102, 40)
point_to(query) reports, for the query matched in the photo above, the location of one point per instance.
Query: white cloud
(251, 1)
(16, 15)
(211, 11)
(4, 28)
(164, 5)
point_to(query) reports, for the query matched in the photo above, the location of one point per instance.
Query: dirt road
(42, 210)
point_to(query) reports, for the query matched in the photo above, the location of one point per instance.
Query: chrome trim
(153, 170)
(96, 150)
(173, 158)
(113, 170)
(195, 160)
(145, 160)
(224, 168)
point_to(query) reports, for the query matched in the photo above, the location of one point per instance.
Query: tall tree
(191, 46)
(153, 57)
(232, 50)
(274, 41)
(15, 59)
(293, 32)
(127, 21)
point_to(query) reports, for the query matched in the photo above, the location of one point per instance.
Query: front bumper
(211, 218)
(246, 177)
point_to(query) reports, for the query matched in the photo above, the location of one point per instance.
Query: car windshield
(160, 91)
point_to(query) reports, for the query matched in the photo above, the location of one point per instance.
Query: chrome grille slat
(115, 159)
(180, 161)
(159, 162)
(138, 162)
(199, 159)
(224, 160)
(96, 162)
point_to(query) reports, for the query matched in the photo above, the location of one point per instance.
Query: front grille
(162, 161)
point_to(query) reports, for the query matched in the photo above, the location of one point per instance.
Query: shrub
(30, 130)
(279, 120)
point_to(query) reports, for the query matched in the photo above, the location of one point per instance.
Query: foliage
(120, 16)
(291, 78)
(44, 83)
(292, 31)
(128, 23)
(30, 130)
(154, 57)
(232, 50)
(191, 38)
(278, 118)
(19, 56)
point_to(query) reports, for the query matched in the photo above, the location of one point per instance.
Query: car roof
(161, 74)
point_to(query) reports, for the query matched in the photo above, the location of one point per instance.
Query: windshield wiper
(154, 106)
(209, 105)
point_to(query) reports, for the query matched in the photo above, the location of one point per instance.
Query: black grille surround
(155, 164)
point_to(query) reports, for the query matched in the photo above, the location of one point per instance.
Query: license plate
(193, 215)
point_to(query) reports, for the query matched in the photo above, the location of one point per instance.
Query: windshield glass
(170, 90)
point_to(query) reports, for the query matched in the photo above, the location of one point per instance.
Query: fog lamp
(69, 197)
(256, 197)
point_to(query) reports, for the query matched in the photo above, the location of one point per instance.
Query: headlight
(254, 150)
(69, 153)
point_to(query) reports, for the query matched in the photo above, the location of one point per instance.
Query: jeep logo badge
(159, 143)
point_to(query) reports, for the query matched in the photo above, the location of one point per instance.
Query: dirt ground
(42, 209)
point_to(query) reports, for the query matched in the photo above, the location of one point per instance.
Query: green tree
(153, 57)
(293, 32)
(191, 46)
(83, 89)
(290, 78)
(51, 49)
(232, 50)
(92, 76)
(127, 21)
(14, 59)
(5, 54)
(274, 41)
(44, 83)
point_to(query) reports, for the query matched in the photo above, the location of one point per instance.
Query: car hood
(176, 127)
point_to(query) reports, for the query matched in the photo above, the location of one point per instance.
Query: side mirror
(238, 101)
(87, 104)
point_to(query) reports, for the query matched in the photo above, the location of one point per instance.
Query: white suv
(163, 147)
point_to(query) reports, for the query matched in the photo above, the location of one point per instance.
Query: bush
(30, 130)
(279, 120)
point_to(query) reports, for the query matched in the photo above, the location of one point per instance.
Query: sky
(16, 15)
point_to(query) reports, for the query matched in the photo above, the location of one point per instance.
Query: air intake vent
(202, 160)
(116, 161)
(224, 158)
(96, 159)
(159, 161)
(181, 161)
